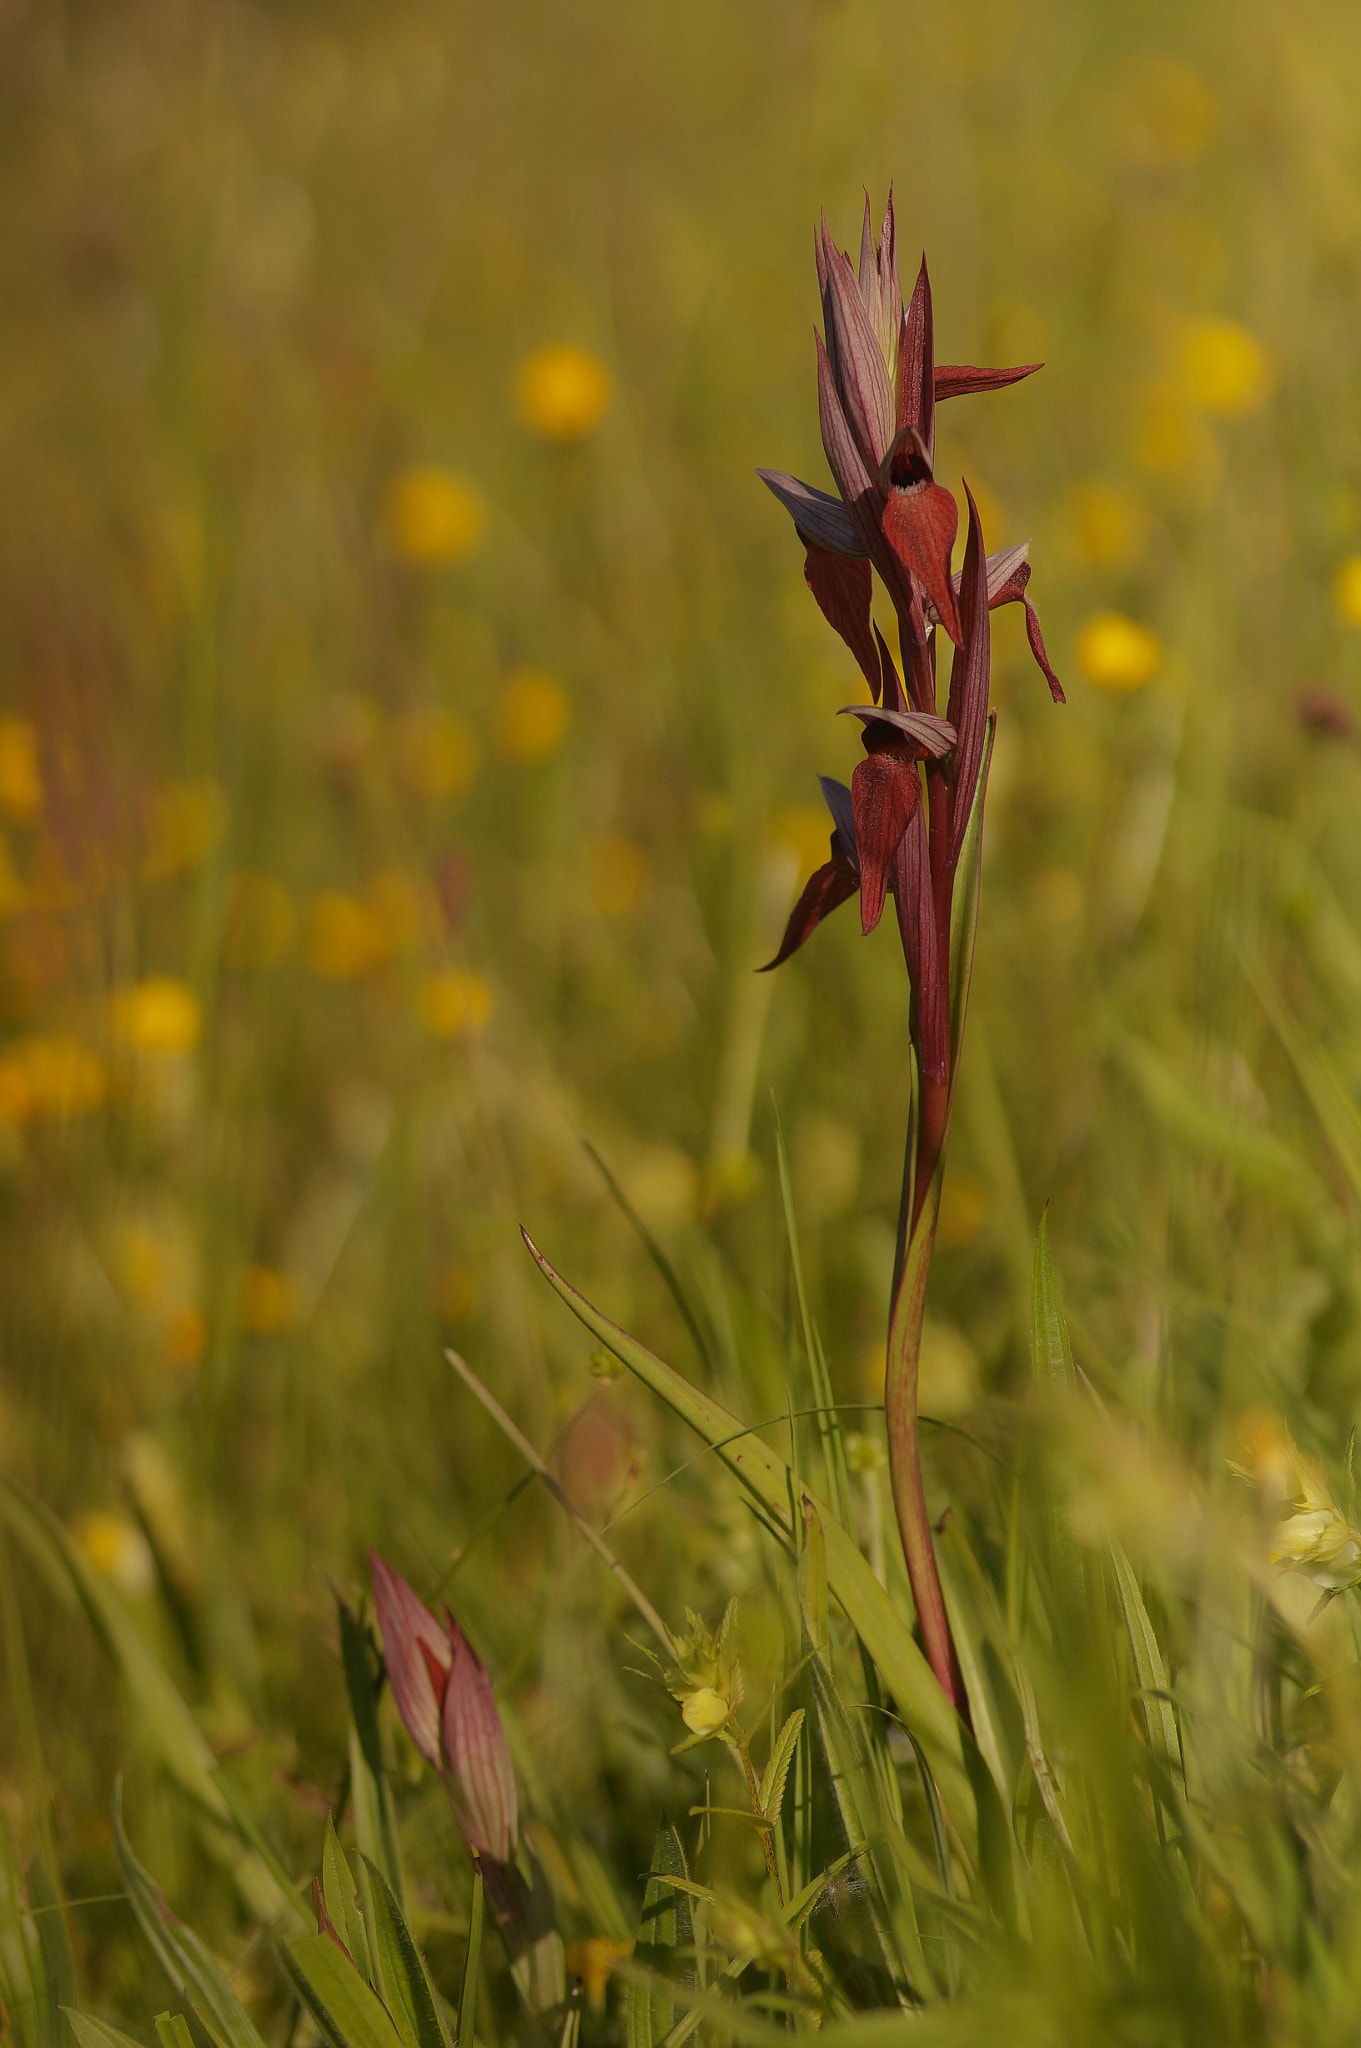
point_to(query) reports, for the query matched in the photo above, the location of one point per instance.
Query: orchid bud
(477, 1756)
(417, 1653)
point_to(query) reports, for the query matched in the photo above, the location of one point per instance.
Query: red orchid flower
(878, 387)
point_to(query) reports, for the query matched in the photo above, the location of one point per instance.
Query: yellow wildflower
(21, 788)
(345, 939)
(159, 1018)
(63, 1077)
(706, 1678)
(185, 1336)
(704, 1710)
(532, 715)
(432, 517)
(563, 392)
(268, 1302)
(592, 1962)
(947, 1376)
(116, 1549)
(1107, 523)
(1227, 370)
(618, 874)
(1116, 653)
(1311, 1534)
(454, 1004)
(1347, 590)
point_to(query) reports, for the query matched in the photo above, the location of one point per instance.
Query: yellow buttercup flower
(532, 715)
(21, 787)
(1116, 653)
(1311, 1535)
(116, 1549)
(454, 1004)
(159, 1017)
(563, 392)
(1227, 370)
(268, 1302)
(432, 517)
(1347, 590)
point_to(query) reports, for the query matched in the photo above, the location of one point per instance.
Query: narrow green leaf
(194, 1972)
(1159, 1715)
(665, 1932)
(472, 1963)
(93, 2033)
(819, 1382)
(23, 1977)
(813, 1581)
(172, 2030)
(342, 1902)
(400, 1974)
(370, 1793)
(1055, 1379)
(347, 2011)
(771, 1797)
(884, 1632)
(983, 1676)
(54, 1941)
(161, 1713)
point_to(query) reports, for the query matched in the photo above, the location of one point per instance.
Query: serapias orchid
(901, 827)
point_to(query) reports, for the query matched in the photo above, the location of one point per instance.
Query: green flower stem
(904, 1444)
(739, 1743)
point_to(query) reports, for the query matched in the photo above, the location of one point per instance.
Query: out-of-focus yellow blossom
(455, 1003)
(268, 1302)
(457, 1292)
(662, 1183)
(56, 1077)
(159, 1018)
(1347, 590)
(563, 392)
(344, 938)
(592, 1961)
(1163, 113)
(805, 831)
(1227, 370)
(1107, 523)
(187, 822)
(185, 1336)
(431, 517)
(531, 715)
(116, 1549)
(965, 1206)
(21, 786)
(439, 754)
(618, 874)
(1116, 653)
(706, 1678)
(1311, 1534)
(398, 901)
(947, 1375)
(260, 922)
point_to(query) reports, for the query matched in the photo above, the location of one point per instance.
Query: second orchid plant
(908, 827)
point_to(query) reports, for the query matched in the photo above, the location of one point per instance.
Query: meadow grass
(410, 715)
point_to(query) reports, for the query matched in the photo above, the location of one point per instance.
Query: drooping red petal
(968, 709)
(917, 927)
(823, 892)
(885, 792)
(916, 365)
(1036, 639)
(920, 526)
(477, 1754)
(844, 589)
(957, 380)
(417, 1654)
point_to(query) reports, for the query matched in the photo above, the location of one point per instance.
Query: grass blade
(370, 1793)
(347, 2011)
(400, 1974)
(472, 1963)
(665, 1932)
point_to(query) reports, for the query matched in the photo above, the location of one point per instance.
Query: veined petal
(968, 707)
(844, 590)
(837, 797)
(920, 525)
(1004, 569)
(1036, 639)
(843, 457)
(411, 1636)
(934, 736)
(916, 365)
(890, 291)
(821, 519)
(477, 1754)
(957, 380)
(861, 371)
(885, 793)
(830, 886)
(867, 276)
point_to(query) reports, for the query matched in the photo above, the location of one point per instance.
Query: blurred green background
(410, 714)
